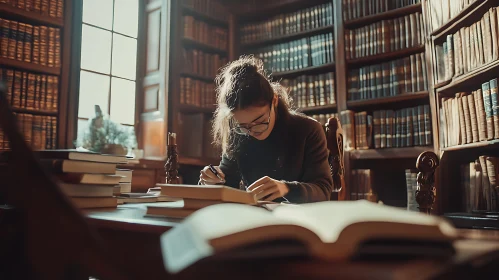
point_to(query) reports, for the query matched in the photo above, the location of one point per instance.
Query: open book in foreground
(331, 231)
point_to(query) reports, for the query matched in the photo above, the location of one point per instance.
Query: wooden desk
(136, 238)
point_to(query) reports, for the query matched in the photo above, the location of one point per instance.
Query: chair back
(334, 136)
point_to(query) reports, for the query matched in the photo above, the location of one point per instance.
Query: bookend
(334, 136)
(171, 165)
(426, 163)
(55, 241)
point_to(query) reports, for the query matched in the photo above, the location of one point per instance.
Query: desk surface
(132, 217)
(128, 225)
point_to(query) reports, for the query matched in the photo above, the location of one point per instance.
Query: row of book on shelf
(202, 63)
(411, 182)
(200, 146)
(211, 8)
(470, 117)
(361, 186)
(30, 43)
(289, 23)
(469, 48)
(385, 36)
(323, 118)
(205, 33)
(40, 132)
(311, 90)
(297, 54)
(391, 78)
(353, 9)
(480, 185)
(31, 91)
(387, 128)
(51, 8)
(440, 12)
(197, 93)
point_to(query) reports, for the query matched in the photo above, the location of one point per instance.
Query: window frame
(75, 29)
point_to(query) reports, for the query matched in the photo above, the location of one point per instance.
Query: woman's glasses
(254, 127)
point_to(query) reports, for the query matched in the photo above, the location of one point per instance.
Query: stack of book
(89, 179)
(195, 197)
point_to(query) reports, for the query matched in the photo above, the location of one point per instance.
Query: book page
(328, 219)
(192, 239)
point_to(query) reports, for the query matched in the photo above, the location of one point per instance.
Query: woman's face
(256, 121)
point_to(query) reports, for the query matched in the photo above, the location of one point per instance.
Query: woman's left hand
(268, 189)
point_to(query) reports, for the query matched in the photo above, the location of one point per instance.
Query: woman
(276, 152)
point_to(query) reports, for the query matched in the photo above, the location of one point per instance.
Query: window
(108, 61)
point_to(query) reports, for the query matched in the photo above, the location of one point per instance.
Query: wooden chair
(334, 136)
(55, 240)
(426, 163)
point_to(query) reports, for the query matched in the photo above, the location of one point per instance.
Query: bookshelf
(342, 64)
(388, 153)
(390, 101)
(373, 59)
(464, 58)
(200, 46)
(386, 115)
(352, 23)
(33, 60)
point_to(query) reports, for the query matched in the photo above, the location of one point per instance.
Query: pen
(212, 169)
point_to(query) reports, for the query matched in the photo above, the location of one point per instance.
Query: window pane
(82, 128)
(126, 17)
(94, 90)
(98, 12)
(124, 56)
(122, 101)
(95, 49)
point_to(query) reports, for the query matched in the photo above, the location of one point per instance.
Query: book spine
(488, 110)
(494, 105)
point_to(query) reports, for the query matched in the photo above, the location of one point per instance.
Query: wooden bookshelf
(379, 58)
(56, 132)
(271, 8)
(358, 22)
(197, 77)
(404, 97)
(15, 13)
(191, 122)
(35, 112)
(471, 80)
(329, 67)
(389, 153)
(477, 145)
(288, 37)
(28, 66)
(329, 108)
(204, 17)
(186, 108)
(187, 42)
(460, 19)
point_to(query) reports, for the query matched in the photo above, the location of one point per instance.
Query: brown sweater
(295, 152)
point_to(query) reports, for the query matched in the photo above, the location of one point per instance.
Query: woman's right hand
(209, 178)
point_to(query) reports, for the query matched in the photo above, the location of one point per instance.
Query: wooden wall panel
(153, 40)
(154, 83)
(153, 138)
